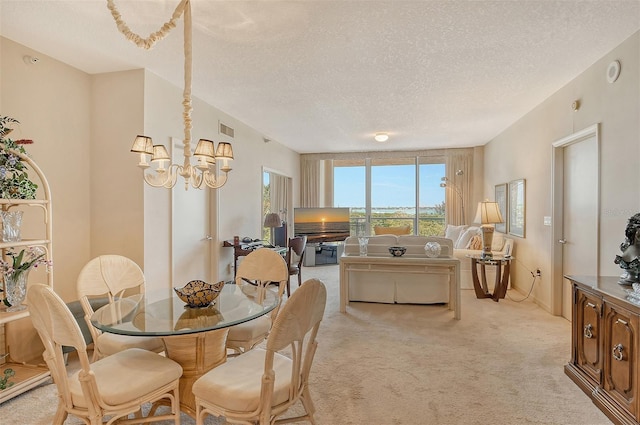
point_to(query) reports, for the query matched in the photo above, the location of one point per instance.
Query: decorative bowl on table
(397, 251)
(432, 249)
(198, 293)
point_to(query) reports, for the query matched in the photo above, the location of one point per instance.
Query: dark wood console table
(604, 346)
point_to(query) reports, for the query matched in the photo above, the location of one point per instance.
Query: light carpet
(414, 364)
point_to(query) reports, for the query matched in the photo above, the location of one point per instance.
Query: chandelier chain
(150, 41)
(167, 178)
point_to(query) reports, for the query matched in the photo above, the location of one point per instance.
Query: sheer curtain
(457, 195)
(279, 194)
(311, 176)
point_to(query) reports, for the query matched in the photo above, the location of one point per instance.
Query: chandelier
(204, 172)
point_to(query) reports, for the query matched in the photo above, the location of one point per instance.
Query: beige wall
(524, 151)
(83, 127)
(240, 201)
(51, 100)
(117, 115)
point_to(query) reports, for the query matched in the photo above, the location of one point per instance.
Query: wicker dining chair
(112, 388)
(260, 386)
(256, 272)
(110, 277)
(295, 258)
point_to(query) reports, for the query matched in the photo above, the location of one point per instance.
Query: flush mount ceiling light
(381, 137)
(204, 173)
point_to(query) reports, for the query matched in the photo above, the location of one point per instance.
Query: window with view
(391, 192)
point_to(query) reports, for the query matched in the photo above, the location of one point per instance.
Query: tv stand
(316, 254)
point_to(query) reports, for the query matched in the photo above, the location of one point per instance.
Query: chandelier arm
(214, 182)
(150, 41)
(167, 179)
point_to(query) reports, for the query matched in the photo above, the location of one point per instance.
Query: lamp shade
(160, 153)
(488, 213)
(204, 148)
(272, 220)
(142, 144)
(224, 151)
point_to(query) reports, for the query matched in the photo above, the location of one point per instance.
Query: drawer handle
(592, 305)
(617, 352)
(588, 331)
(622, 322)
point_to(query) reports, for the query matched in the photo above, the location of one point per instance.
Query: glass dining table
(193, 337)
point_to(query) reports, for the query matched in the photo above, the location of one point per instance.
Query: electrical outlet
(538, 272)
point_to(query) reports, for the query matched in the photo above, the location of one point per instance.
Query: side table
(502, 265)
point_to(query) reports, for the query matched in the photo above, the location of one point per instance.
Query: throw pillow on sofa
(390, 230)
(465, 237)
(498, 241)
(476, 242)
(454, 232)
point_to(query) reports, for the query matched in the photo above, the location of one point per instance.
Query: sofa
(412, 278)
(467, 240)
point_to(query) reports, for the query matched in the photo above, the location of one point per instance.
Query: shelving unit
(33, 373)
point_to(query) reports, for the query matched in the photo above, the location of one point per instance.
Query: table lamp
(272, 220)
(488, 214)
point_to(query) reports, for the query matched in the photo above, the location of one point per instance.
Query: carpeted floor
(410, 364)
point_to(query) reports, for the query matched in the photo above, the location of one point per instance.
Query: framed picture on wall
(517, 208)
(501, 200)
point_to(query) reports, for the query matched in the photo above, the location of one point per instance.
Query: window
(391, 192)
(349, 190)
(431, 217)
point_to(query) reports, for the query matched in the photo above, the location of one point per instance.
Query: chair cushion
(112, 343)
(236, 384)
(126, 376)
(247, 331)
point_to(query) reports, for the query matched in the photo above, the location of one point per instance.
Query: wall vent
(226, 130)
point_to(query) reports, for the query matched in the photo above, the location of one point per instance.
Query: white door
(580, 215)
(191, 244)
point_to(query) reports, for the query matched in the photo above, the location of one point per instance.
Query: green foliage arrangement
(4, 379)
(14, 180)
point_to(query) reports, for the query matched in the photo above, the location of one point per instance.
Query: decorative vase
(363, 242)
(11, 221)
(432, 249)
(15, 289)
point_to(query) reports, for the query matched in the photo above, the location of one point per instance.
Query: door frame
(557, 207)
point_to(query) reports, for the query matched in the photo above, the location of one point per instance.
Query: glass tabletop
(490, 260)
(170, 316)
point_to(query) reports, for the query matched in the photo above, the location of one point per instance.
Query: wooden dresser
(604, 346)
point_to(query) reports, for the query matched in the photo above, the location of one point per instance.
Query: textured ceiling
(325, 76)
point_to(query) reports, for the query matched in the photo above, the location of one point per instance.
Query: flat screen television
(322, 224)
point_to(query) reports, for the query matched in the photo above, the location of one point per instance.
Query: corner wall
(51, 101)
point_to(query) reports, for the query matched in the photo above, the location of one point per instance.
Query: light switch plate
(547, 220)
